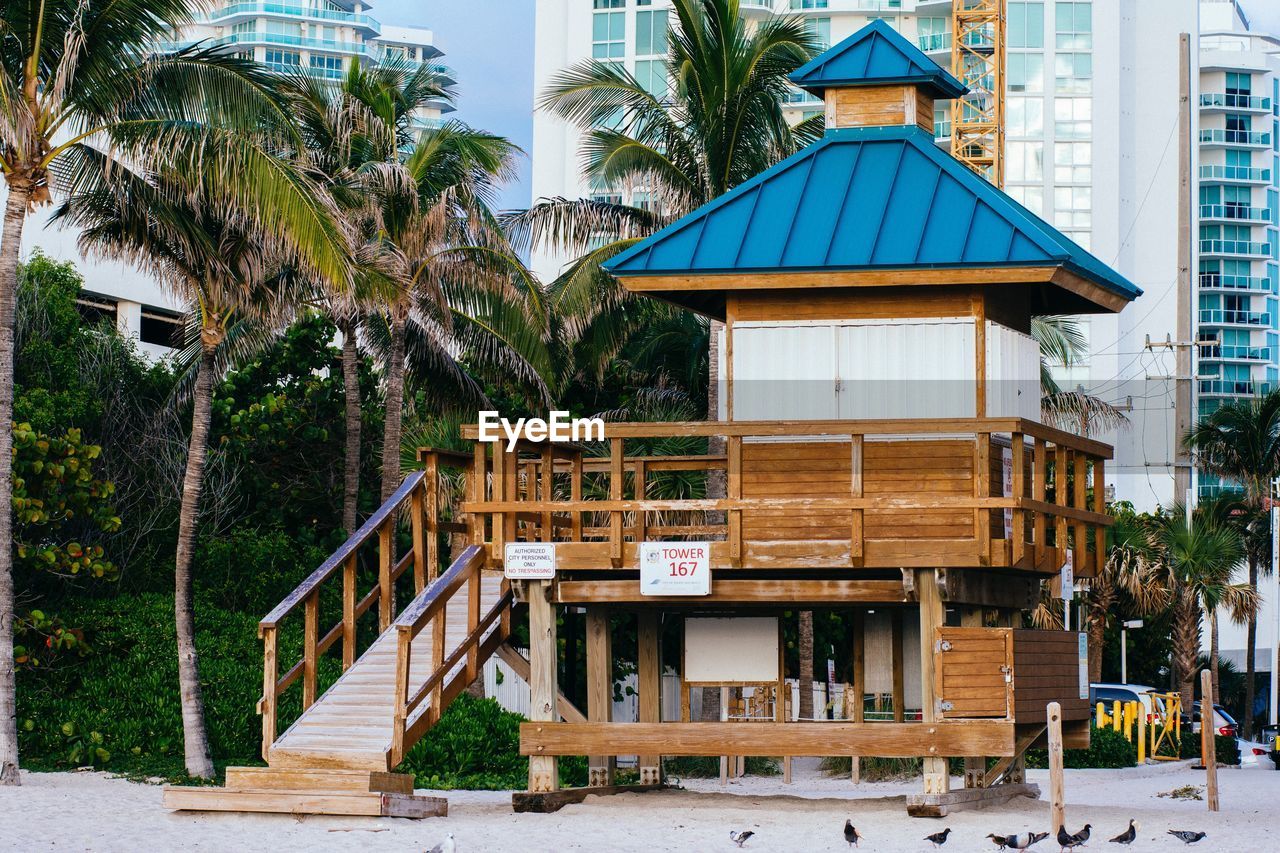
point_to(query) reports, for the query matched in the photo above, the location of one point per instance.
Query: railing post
(575, 494)
(1080, 502)
(417, 525)
(431, 497)
(349, 612)
(404, 647)
(547, 482)
(1099, 506)
(270, 676)
(473, 622)
(982, 491)
(438, 624)
(499, 495)
(1017, 525)
(641, 477)
(386, 565)
(857, 529)
(1039, 487)
(310, 636)
(616, 476)
(733, 490)
(477, 485)
(1060, 493)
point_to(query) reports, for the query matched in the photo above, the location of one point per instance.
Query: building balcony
(301, 42)
(1232, 387)
(838, 5)
(934, 43)
(1243, 138)
(1235, 352)
(801, 98)
(942, 130)
(1231, 317)
(1234, 249)
(1234, 213)
(232, 12)
(1235, 174)
(1219, 281)
(1216, 101)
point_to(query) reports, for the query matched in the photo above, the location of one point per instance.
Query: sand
(94, 811)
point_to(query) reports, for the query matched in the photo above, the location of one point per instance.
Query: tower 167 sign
(675, 568)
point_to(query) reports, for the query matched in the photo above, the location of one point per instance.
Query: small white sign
(1084, 664)
(530, 561)
(675, 568)
(1068, 590)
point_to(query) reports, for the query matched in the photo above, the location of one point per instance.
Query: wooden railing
(1054, 503)
(419, 496)
(413, 715)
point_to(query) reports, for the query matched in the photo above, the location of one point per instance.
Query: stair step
(328, 781)
(372, 804)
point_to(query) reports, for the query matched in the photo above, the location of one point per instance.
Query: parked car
(1223, 722)
(1108, 693)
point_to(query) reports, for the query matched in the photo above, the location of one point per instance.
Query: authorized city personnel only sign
(675, 568)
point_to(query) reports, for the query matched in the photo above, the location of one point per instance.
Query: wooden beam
(599, 689)
(892, 740)
(941, 805)
(520, 666)
(937, 778)
(854, 700)
(545, 803)
(544, 771)
(915, 276)
(649, 685)
(738, 591)
(899, 680)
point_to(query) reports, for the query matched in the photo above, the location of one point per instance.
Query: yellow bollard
(1142, 739)
(1102, 716)
(1128, 721)
(1115, 715)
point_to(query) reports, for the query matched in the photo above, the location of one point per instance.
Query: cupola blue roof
(863, 198)
(875, 55)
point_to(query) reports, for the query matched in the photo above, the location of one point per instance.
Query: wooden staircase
(337, 757)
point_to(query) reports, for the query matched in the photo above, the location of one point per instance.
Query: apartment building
(320, 37)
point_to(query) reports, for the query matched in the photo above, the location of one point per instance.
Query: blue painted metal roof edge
(1047, 238)
(810, 75)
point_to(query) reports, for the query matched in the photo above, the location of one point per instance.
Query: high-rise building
(322, 37)
(1091, 123)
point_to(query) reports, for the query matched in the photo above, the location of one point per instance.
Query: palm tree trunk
(10, 243)
(805, 642)
(1097, 635)
(1213, 652)
(1250, 664)
(195, 737)
(1186, 647)
(351, 453)
(394, 402)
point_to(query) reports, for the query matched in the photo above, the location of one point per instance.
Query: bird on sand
(1001, 841)
(1067, 841)
(851, 834)
(939, 838)
(1187, 837)
(446, 846)
(740, 838)
(1128, 835)
(1018, 842)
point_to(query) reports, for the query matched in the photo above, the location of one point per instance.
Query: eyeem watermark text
(560, 426)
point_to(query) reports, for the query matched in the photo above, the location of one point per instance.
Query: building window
(1032, 198)
(1025, 161)
(283, 60)
(609, 4)
(808, 4)
(1073, 73)
(1026, 25)
(1239, 84)
(1026, 72)
(609, 35)
(651, 33)
(96, 312)
(1073, 118)
(1074, 26)
(1073, 207)
(652, 76)
(162, 329)
(820, 30)
(326, 66)
(1073, 162)
(284, 28)
(1025, 117)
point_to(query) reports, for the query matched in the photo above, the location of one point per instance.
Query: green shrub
(476, 744)
(1108, 748)
(251, 571)
(707, 767)
(1227, 749)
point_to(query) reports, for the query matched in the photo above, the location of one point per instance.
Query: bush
(123, 698)
(707, 767)
(249, 570)
(1108, 748)
(476, 744)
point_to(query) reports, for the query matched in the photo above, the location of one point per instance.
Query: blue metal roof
(863, 198)
(874, 56)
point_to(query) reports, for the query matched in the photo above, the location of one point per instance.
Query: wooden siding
(1046, 667)
(971, 672)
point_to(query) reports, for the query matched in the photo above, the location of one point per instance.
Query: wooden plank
(1057, 810)
(1208, 743)
(1039, 482)
(553, 801)
(937, 777)
(349, 612)
(1018, 466)
(267, 705)
(899, 681)
(856, 531)
(857, 689)
(893, 740)
(941, 805)
(310, 638)
(386, 585)
(544, 771)
(733, 487)
(1100, 507)
(734, 590)
(520, 665)
(356, 781)
(982, 489)
(373, 804)
(599, 688)
(615, 494)
(649, 684)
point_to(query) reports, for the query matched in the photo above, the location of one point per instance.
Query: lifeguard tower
(882, 454)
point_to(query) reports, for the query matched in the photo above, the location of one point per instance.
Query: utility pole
(1184, 395)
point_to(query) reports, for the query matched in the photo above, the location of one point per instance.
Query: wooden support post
(858, 686)
(1039, 488)
(1057, 809)
(1060, 491)
(310, 636)
(1208, 740)
(1080, 502)
(649, 683)
(896, 651)
(511, 488)
(575, 494)
(431, 509)
(386, 564)
(1100, 506)
(1018, 471)
(982, 489)
(499, 494)
(857, 532)
(349, 612)
(548, 491)
(270, 676)
(417, 526)
(404, 650)
(733, 490)
(478, 490)
(937, 777)
(616, 474)
(599, 689)
(779, 703)
(641, 479)
(544, 771)
(473, 622)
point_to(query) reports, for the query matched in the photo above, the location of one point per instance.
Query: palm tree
(1197, 556)
(1240, 442)
(1130, 568)
(230, 267)
(1062, 344)
(77, 80)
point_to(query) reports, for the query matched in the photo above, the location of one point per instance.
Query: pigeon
(851, 834)
(1128, 835)
(1018, 842)
(1001, 841)
(939, 838)
(1187, 837)
(740, 838)
(446, 846)
(1067, 841)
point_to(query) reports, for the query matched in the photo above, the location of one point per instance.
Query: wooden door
(973, 673)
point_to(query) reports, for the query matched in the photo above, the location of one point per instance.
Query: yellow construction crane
(978, 61)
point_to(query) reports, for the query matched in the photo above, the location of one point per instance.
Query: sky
(489, 44)
(1263, 14)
